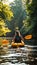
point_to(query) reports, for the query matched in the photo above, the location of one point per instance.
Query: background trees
(5, 15)
(31, 19)
(25, 18)
(19, 15)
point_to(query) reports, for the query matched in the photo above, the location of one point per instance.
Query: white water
(19, 56)
(7, 63)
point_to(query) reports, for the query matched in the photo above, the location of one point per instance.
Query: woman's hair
(17, 33)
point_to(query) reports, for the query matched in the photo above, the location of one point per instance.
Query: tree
(5, 15)
(19, 15)
(31, 9)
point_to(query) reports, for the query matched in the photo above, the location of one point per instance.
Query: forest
(21, 14)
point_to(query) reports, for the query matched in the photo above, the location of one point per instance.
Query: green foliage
(19, 15)
(31, 9)
(5, 14)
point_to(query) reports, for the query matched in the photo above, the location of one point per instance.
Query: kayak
(17, 44)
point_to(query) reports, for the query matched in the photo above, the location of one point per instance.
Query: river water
(20, 56)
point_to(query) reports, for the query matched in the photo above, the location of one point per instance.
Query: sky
(8, 1)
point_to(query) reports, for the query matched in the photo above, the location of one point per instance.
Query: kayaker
(18, 37)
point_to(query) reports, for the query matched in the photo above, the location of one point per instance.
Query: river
(20, 56)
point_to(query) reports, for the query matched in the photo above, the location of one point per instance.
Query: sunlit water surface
(20, 56)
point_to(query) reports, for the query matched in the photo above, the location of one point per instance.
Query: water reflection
(22, 56)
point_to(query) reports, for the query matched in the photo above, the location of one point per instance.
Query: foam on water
(8, 63)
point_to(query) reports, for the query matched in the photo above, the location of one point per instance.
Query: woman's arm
(14, 36)
(21, 37)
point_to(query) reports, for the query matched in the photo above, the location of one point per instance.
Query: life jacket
(17, 39)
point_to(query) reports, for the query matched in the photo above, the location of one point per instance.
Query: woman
(18, 37)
